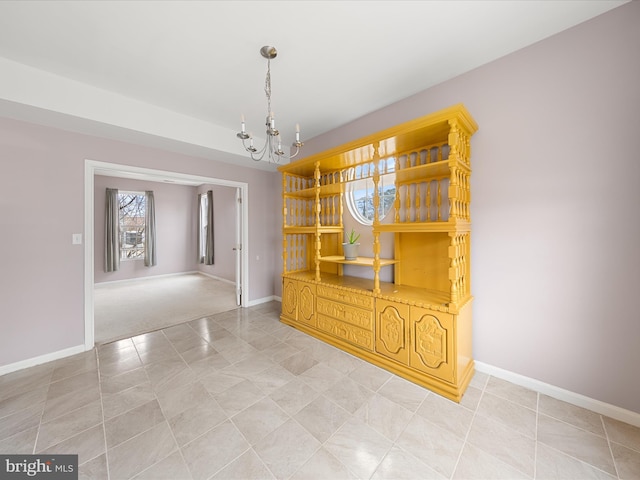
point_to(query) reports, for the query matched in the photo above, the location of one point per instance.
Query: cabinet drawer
(352, 334)
(351, 298)
(346, 313)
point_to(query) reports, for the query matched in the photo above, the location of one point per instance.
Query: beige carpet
(125, 309)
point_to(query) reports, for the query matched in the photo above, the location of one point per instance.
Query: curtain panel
(111, 231)
(200, 236)
(208, 251)
(150, 230)
(205, 228)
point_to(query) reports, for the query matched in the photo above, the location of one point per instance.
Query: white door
(238, 247)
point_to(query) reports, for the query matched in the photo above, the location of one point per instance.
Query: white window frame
(364, 182)
(204, 224)
(122, 235)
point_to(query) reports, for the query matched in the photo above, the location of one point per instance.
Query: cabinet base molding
(446, 389)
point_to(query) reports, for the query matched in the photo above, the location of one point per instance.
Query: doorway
(93, 168)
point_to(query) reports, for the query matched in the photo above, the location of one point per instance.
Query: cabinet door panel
(392, 330)
(290, 298)
(432, 338)
(307, 303)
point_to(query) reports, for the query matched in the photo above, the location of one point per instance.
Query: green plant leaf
(353, 236)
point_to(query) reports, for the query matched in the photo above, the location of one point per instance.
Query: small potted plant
(350, 247)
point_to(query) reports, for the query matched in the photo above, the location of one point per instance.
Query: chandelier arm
(253, 151)
(275, 153)
(259, 154)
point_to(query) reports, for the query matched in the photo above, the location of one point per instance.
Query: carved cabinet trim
(392, 330)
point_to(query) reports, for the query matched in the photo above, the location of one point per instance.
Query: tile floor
(239, 395)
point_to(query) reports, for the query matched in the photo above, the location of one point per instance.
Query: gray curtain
(112, 231)
(150, 230)
(208, 247)
(199, 234)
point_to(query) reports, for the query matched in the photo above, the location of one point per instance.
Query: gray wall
(42, 274)
(555, 190)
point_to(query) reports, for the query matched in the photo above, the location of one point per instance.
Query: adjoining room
(184, 281)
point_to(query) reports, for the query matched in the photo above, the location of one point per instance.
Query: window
(360, 192)
(204, 225)
(132, 207)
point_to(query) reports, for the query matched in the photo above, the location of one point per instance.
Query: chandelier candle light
(273, 143)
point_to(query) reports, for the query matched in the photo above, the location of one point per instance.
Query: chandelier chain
(267, 86)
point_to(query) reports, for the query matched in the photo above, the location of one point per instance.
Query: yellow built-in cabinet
(418, 325)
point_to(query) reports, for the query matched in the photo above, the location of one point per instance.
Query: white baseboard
(253, 303)
(32, 362)
(617, 413)
(148, 277)
(164, 275)
(216, 278)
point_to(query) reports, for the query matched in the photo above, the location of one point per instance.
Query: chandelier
(273, 144)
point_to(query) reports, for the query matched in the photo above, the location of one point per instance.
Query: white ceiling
(179, 72)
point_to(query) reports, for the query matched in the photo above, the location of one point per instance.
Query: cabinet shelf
(427, 171)
(303, 193)
(452, 225)
(331, 189)
(292, 230)
(330, 229)
(362, 261)
(421, 172)
(325, 191)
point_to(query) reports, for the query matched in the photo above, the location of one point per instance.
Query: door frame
(92, 168)
(239, 247)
